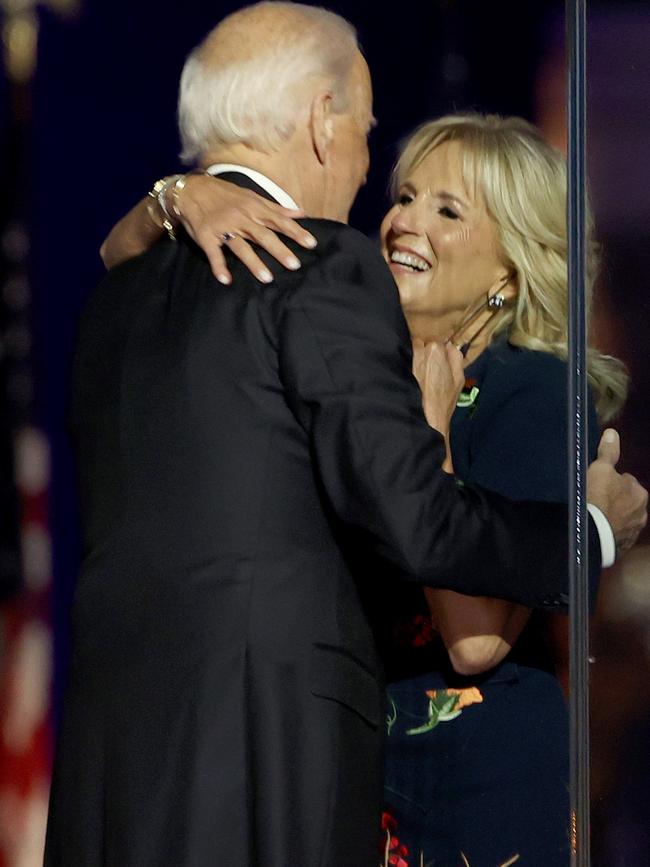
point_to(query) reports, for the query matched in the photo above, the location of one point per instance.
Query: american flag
(25, 544)
(26, 661)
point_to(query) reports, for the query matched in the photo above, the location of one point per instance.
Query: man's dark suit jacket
(239, 448)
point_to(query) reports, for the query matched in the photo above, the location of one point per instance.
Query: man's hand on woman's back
(622, 499)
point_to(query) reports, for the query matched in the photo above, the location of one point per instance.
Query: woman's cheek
(463, 236)
(454, 242)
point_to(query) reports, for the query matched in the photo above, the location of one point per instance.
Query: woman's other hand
(211, 208)
(439, 371)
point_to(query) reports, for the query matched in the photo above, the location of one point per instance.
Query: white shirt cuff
(606, 535)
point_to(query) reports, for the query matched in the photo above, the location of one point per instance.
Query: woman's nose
(407, 220)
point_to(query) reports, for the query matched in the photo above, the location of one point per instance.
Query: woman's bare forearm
(477, 632)
(134, 234)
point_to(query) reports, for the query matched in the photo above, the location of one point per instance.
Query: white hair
(258, 100)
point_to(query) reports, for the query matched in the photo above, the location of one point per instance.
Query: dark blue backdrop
(104, 129)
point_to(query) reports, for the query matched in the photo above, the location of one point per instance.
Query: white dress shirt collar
(281, 197)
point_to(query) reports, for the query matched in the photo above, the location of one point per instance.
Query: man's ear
(321, 125)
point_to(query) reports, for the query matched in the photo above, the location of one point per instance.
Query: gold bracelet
(158, 192)
(164, 224)
(162, 195)
(177, 189)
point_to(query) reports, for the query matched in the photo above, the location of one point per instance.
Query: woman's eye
(404, 199)
(447, 212)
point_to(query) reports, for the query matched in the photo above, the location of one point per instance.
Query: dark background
(97, 127)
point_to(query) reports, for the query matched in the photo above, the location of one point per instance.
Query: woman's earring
(496, 302)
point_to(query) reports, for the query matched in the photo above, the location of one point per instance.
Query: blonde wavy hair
(523, 182)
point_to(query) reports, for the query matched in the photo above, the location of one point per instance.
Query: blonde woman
(477, 758)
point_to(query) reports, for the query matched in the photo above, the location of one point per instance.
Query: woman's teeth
(410, 260)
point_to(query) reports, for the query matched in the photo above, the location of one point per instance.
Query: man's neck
(273, 166)
(262, 181)
(287, 168)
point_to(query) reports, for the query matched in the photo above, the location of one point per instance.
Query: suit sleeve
(346, 365)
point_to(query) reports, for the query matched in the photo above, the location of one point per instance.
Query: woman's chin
(412, 287)
(410, 301)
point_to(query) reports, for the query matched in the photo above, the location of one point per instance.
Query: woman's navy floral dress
(477, 767)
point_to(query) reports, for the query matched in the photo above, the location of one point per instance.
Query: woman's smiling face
(439, 239)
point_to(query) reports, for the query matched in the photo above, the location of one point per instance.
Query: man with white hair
(248, 457)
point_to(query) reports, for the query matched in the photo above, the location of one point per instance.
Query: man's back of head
(272, 87)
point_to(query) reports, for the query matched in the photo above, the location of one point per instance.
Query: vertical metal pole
(577, 397)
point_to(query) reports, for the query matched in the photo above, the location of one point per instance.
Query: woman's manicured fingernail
(224, 278)
(293, 263)
(265, 276)
(310, 241)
